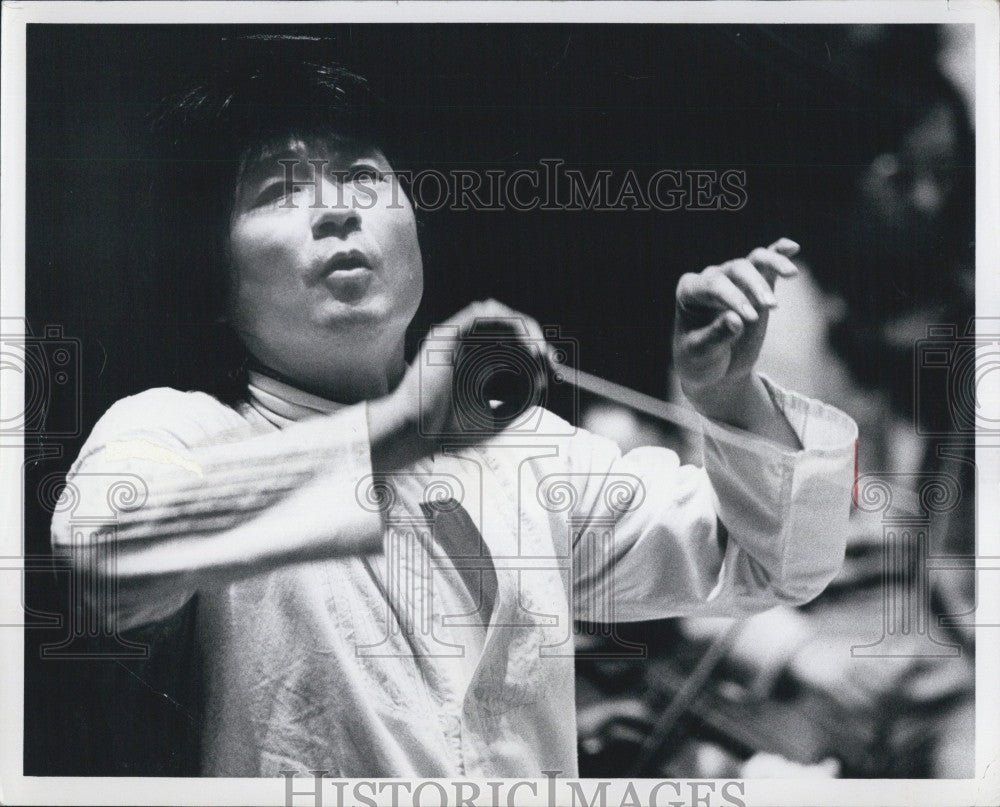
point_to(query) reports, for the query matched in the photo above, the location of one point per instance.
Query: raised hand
(722, 315)
(721, 321)
(439, 398)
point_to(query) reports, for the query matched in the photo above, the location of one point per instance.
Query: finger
(750, 281)
(712, 289)
(520, 332)
(830, 766)
(529, 328)
(525, 330)
(463, 321)
(520, 325)
(785, 246)
(726, 327)
(476, 316)
(772, 265)
(498, 320)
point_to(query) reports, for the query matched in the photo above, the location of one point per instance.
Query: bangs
(222, 122)
(299, 144)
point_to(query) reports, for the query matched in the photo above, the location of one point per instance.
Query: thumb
(723, 329)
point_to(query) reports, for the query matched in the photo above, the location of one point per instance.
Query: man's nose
(335, 213)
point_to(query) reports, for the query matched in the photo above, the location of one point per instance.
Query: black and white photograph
(500, 404)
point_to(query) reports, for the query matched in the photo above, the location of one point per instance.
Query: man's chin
(368, 311)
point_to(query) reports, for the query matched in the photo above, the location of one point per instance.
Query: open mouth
(348, 263)
(348, 276)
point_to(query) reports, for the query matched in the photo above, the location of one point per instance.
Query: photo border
(983, 789)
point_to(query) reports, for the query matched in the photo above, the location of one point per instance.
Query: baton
(629, 398)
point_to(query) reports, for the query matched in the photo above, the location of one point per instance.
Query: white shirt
(349, 629)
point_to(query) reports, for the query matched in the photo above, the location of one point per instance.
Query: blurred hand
(722, 315)
(429, 406)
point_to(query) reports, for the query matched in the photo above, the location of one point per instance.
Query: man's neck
(346, 386)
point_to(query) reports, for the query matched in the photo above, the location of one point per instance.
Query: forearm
(153, 576)
(322, 520)
(213, 488)
(785, 515)
(788, 510)
(746, 404)
(195, 518)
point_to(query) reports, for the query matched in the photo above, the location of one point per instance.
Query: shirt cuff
(821, 428)
(788, 509)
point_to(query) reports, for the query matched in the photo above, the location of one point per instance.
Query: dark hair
(884, 275)
(878, 121)
(251, 102)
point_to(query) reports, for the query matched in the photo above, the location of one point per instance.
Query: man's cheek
(265, 261)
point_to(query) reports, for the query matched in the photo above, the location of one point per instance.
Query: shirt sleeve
(173, 492)
(756, 526)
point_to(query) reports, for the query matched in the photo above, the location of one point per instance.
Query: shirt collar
(283, 404)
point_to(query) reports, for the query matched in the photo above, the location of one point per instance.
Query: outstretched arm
(765, 521)
(207, 501)
(173, 492)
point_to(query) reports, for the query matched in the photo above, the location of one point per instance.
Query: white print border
(16, 789)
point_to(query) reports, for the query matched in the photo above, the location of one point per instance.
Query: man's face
(905, 193)
(326, 267)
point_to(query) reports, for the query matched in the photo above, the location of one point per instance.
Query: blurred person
(894, 255)
(270, 508)
(899, 232)
(890, 253)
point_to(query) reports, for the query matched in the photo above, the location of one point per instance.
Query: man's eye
(275, 191)
(365, 173)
